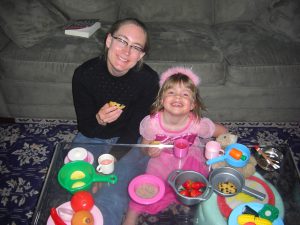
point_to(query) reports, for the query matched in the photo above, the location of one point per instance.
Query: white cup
(213, 149)
(78, 153)
(106, 164)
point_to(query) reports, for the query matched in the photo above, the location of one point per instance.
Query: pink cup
(181, 147)
(213, 149)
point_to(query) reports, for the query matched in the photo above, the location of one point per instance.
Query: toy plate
(255, 206)
(98, 218)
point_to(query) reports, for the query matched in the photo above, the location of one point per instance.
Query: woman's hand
(108, 114)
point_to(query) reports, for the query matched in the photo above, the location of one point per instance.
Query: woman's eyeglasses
(123, 44)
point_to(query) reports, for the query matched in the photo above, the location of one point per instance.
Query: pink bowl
(146, 179)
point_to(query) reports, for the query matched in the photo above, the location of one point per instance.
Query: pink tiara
(183, 70)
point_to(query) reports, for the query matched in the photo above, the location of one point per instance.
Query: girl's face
(125, 48)
(178, 100)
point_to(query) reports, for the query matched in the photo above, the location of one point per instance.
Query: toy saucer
(98, 218)
(90, 158)
(255, 206)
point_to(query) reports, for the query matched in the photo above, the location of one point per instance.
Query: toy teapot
(236, 155)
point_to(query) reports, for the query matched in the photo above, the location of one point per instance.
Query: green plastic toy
(79, 175)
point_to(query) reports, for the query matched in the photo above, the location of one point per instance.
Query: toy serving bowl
(146, 189)
(274, 154)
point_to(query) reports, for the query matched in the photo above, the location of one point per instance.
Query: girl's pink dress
(151, 129)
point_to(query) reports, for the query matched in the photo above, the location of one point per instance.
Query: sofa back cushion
(104, 10)
(28, 22)
(238, 10)
(283, 17)
(198, 11)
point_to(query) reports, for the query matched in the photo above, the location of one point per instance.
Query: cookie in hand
(118, 105)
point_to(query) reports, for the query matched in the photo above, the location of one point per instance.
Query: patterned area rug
(26, 148)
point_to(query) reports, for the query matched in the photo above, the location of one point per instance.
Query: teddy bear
(228, 139)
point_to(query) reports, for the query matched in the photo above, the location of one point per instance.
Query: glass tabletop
(285, 180)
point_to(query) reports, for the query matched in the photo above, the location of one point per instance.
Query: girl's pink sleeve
(146, 128)
(206, 128)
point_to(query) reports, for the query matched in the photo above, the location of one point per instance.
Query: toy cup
(213, 149)
(106, 164)
(78, 153)
(181, 147)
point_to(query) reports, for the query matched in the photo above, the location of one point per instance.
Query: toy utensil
(267, 158)
(229, 175)
(56, 218)
(79, 175)
(236, 155)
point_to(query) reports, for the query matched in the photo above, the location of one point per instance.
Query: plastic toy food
(227, 187)
(118, 105)
(78, 184)
(56, 218)
(146, 190)
(82, 200)
(76, 175)
(247, 218)
(237, 154)
(192, 188)
(82, 217)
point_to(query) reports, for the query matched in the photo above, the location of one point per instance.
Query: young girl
(176, 113)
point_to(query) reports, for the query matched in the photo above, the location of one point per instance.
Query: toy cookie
(118, 105)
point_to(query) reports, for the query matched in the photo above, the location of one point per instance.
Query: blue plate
(232, 220)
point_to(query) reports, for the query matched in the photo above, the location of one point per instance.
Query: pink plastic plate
(90, 158)
(98, 218)
(150, 181)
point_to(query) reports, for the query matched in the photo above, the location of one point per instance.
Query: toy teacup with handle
(106, 164)
(213, 149)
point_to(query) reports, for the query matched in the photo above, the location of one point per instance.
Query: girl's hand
(108, 114)
(154, 152)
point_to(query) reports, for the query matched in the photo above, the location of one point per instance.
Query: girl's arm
(219, 129)
(152, 152)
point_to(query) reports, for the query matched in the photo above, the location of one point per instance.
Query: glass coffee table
(285, 180)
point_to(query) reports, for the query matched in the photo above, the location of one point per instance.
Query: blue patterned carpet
(26, 148)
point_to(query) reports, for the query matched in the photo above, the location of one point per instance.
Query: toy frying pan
(236, 155)
(79, 175)
(227, 182)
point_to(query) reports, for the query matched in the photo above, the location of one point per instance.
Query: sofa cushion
(189, 44)
(53, 60)
(104, 10)
(3, 39)
(197, 11)
(283, 17)
(257, 57)
(238, 10)
(28, 22)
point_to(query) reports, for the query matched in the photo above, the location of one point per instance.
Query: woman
(119, 76)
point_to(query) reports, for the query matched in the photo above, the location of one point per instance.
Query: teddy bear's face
(226, 139)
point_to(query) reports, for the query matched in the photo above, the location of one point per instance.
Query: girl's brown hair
(181, 79)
